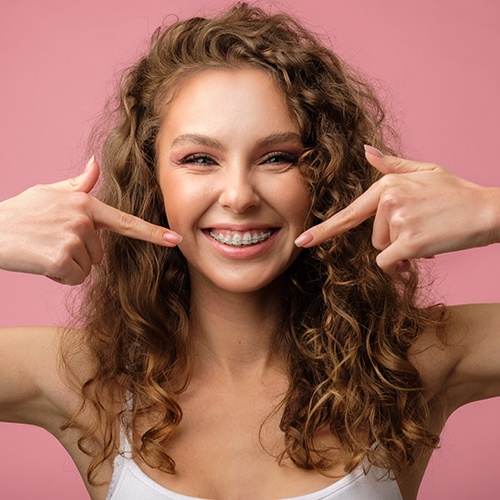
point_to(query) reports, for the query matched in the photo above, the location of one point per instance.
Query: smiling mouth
(240, 239)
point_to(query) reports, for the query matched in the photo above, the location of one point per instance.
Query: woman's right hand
(52, 229)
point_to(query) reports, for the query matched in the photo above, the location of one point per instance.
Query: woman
(282, 338)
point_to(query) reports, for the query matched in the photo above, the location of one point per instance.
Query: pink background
(439, 60)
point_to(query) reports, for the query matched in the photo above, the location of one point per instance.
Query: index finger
(112, 219)
(351, 216)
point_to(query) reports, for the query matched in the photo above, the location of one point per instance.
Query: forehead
(215, 100)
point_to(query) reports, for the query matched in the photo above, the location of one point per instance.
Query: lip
(240, 227)
(243, 252)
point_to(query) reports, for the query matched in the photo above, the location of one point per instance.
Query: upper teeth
(237, 240)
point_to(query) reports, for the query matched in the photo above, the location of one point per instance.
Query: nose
(238, 192)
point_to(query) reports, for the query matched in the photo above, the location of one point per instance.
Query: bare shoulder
(461, 363)
(33, 388)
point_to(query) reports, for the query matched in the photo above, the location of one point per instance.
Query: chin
(243, 286)
(237, 282)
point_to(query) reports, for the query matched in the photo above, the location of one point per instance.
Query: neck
(233, 334)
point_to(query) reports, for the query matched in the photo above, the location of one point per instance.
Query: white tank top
(129, 482)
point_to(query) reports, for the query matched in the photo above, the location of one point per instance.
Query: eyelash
(197, 156)
(282, 156)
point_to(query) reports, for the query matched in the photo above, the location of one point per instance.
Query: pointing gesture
(420, 210)
(52, 229)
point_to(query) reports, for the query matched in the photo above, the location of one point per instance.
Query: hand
(52, 229)
(420, 210)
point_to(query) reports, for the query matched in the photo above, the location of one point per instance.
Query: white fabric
(129, 482)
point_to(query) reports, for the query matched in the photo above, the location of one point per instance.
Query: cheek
(173, 199)
(185, 200)
(297, 200)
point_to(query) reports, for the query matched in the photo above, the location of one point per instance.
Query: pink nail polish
(373, 151)
(304, 239)
(89, 163)
(172, 238)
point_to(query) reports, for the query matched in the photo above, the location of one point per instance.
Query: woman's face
(227, 153)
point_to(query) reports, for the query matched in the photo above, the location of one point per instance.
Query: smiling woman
(251, 325)
(228, 151)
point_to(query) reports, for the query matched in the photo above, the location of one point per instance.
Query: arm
(52, 230)
(30, 389)
(420, 210)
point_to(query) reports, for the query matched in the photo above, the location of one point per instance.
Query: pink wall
(438, 59)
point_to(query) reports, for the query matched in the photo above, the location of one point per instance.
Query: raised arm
(421, 210)
(52, 230)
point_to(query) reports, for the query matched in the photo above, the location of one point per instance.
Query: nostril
(240, 198)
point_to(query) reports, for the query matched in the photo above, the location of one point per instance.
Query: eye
(198, 159)
(280, 159)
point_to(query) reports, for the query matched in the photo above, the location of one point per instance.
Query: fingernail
(89, 164)
(373, 151)
(304, 239)
(172, 238)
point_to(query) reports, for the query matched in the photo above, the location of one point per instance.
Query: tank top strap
(125, 443)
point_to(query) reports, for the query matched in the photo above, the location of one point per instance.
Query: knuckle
(321, 229)
(73, 182)
(349, 214)
(155, 233)
(399, 163)
(71, 244)
(388, 201)
(81, 223)
(389, 181)
(81, 200)
(56, 265)
(346, 218)
(399, 222)
(127, 222)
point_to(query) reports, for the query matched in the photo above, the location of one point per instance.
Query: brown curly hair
(346, 327)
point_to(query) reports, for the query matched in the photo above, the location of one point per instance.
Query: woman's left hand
(420, 210)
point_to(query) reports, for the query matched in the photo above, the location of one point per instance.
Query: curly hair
(346, 327)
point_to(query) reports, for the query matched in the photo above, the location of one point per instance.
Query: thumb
(83, 182)
(394, 165)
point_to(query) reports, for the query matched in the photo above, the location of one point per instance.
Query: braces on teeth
(238, 241)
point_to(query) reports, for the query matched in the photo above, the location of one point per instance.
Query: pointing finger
(112, 219)
(354, 214)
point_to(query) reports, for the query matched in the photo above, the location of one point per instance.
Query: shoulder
(460, 362)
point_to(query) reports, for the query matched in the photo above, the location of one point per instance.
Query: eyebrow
(204, 140)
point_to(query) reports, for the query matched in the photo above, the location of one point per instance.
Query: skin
(59, 239)
(405, 203)
(223, 157)
(420, 210)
